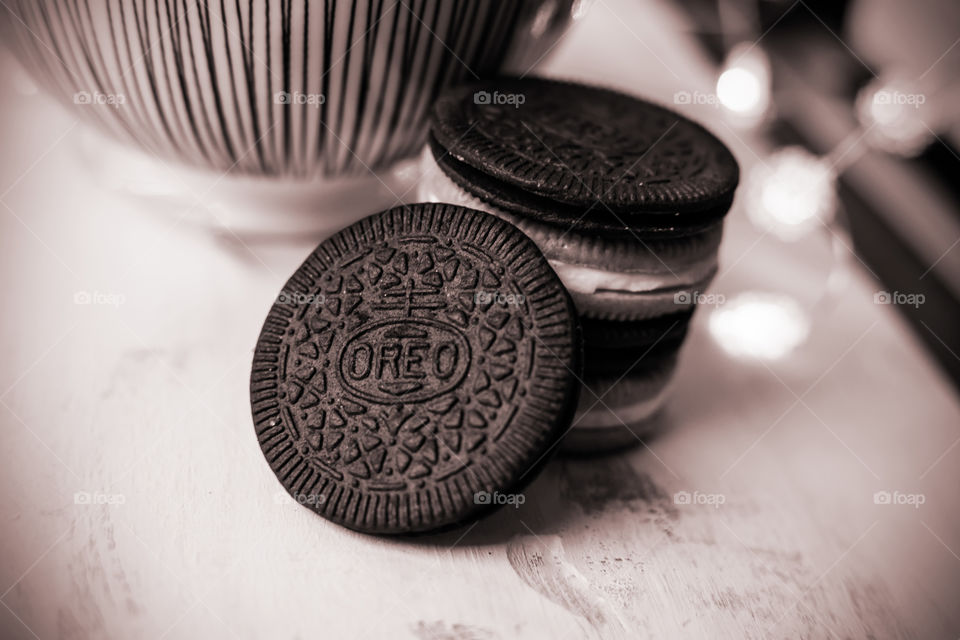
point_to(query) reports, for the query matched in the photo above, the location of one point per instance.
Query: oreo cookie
(631, 348)
(418, 362)
(583, 158)
(604, 335)
(620, 411)
(625, 198)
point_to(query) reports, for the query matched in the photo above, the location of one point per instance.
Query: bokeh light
(791, 193)
(760, 325)
(897, 116)
(743, 86)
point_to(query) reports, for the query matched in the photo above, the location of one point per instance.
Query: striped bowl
(295, 88)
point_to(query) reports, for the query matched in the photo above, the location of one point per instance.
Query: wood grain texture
(141, 402)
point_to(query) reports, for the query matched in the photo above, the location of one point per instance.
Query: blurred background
(872, 86)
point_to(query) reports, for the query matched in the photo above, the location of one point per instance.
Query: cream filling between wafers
(582, 279)
(436, 186)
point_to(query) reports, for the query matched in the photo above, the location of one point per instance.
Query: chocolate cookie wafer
(417, 363)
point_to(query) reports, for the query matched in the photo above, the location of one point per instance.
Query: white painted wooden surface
(144, 405)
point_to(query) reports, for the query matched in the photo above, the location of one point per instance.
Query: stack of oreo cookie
(625, 199)
(422, 364)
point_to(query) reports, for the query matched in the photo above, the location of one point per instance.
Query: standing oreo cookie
(626, 200)
(418, 361)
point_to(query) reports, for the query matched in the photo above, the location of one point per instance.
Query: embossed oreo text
(408, 360)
